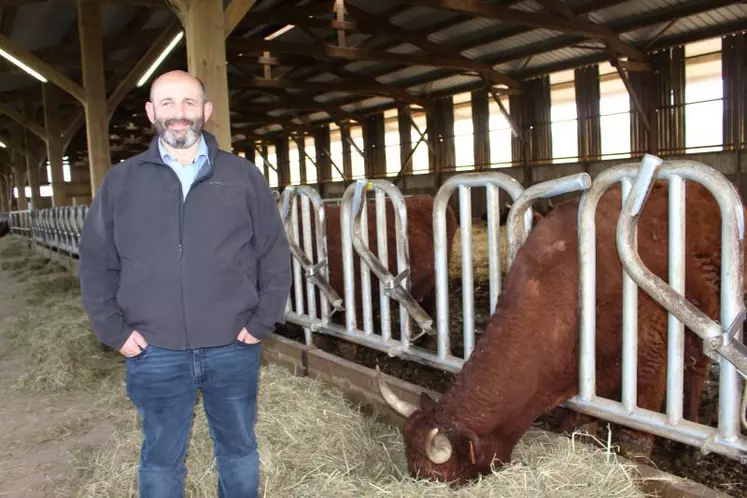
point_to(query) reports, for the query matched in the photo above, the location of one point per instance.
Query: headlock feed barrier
(58, 229)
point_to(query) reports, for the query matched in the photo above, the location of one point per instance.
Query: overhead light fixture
(23, 66)
(279, 32)
(160, 59)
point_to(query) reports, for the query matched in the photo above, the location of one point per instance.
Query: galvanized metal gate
(59, 229)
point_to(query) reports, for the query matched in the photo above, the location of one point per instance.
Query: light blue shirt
(186, 172)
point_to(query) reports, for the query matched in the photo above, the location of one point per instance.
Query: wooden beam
(23, 120)
(206, 59)
(128, 83)
(234, 13)
(14, 145)
(50, 98)
(97, 122)
(356, 54)
(42, 68)
(531, 19)
(32, 165)
(613, 42)
(142, 65)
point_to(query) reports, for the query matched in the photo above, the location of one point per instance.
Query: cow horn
(400, 406)
(437, 447)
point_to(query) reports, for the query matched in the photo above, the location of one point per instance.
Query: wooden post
(97, 119)
(206, 59)
(4, 204)
(32, 164)
(19, 166)
(19, 174)
(51, 96)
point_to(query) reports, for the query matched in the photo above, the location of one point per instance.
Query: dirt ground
(41, 436)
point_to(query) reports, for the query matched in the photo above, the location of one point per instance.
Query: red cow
(420, 241)
(526, 363)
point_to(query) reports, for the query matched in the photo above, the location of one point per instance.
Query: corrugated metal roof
(633, 9)
(511, 43)
(43, 27)
(467, 29)
(420, 17)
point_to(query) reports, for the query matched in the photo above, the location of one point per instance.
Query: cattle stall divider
(317, 274)
(58, 230)
(722, 344)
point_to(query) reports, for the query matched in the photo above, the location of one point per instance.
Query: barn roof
(411, 51)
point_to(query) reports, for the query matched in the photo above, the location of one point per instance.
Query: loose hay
(480, 263)
(312, 441)
(51, 328)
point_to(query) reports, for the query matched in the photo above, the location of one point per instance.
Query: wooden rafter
(24, 121)
(535, 20)
(43, 68)
(244, 45)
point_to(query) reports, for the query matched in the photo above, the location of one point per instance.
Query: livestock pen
(432, 365)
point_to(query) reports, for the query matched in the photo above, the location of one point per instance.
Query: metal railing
(59, 228)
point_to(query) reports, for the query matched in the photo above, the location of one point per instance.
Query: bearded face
(179, 132)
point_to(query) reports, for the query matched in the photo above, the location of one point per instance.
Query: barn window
(464, 147)
(310, 155)
(614, 113)
(500, 133)
(335, 152)
(272, 164)
(703, 96)
(259, 161)
(357, 157)
(563, 117)
(420, 156)
(391, 142)
(294, 165)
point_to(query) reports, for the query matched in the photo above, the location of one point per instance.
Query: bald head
(178, 78)
(178, 108)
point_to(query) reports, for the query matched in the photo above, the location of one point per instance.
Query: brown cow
(420, 241)
(526, 363)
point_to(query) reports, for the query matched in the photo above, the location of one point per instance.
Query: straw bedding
(313, 441)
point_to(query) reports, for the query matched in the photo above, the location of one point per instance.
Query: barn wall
(728, 163)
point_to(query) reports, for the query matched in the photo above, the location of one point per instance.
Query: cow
(538, 212)
(422, 267)
(526, 363)
(4, 228)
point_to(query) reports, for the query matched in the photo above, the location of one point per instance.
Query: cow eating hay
(312, 441)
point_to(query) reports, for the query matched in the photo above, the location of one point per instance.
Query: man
(184, 269)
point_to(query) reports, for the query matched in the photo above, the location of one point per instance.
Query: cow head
(437, 446)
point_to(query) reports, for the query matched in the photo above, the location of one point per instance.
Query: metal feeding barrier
(317, 296)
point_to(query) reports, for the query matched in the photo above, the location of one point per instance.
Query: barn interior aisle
(69, 430)
(45, 429)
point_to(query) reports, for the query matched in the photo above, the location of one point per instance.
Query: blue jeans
(163, 384)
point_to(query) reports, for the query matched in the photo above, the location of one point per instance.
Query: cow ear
(473, 442)
(426, 402)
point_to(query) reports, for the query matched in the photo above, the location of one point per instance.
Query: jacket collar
(153, 154)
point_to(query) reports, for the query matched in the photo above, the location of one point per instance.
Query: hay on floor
(50, 327)
(312, 441)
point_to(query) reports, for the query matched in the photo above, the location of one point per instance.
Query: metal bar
(675, 328)
(473, 179)
(629, 327)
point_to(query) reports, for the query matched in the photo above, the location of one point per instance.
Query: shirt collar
(202, 152)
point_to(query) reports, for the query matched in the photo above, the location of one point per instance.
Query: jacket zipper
(182, 202)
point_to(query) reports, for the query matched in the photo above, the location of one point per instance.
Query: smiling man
(184, 269)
